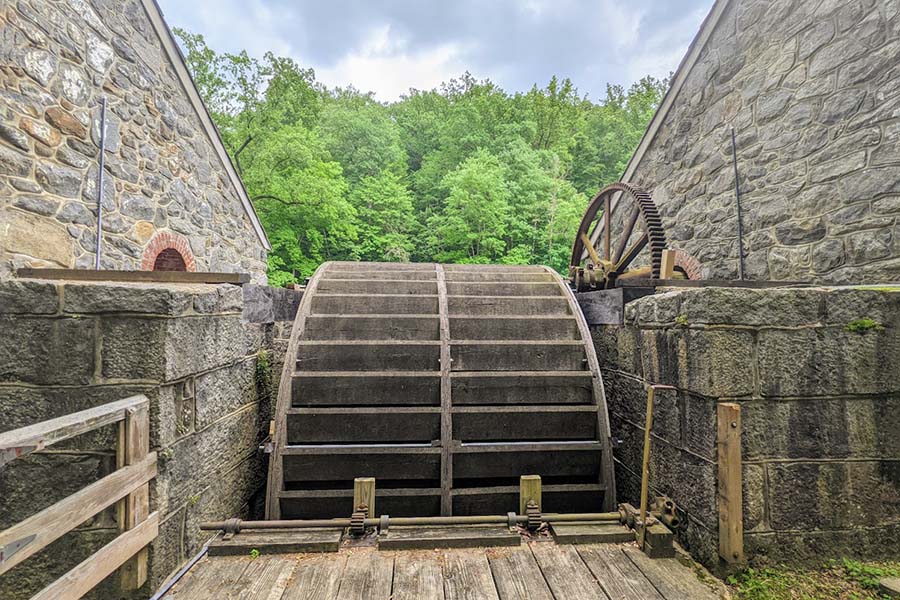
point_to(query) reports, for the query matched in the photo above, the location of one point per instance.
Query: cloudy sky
(389, 46)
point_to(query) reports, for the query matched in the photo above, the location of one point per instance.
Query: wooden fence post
(134, 445)
(730, 494)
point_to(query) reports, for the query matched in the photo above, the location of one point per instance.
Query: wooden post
(134, 445)
(667, 270)
(529, 489)
(645, 466)
(728, 441)
(364, 493)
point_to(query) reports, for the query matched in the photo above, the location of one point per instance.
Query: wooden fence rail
(128, 487)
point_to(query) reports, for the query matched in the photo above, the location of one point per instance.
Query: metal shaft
(645, 464)
(400, 521)
(737, 195)
(100, 181)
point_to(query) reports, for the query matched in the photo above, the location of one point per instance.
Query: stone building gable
(166, 170)
(812, 88)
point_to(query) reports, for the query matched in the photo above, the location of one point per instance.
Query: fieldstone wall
(58, 58)
(207, 367)
(812, 89)
(820, 406)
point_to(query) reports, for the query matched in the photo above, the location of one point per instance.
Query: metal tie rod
(236, 525)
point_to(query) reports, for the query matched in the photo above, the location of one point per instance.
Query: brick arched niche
(687, 263)
(168, 252)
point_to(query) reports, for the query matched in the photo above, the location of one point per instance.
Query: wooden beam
(97, 567)
(134, 276)
(25, 440)
(364, 493)
(446, 395)
(134, 447)
(728, 441)
(667, 270)
(39, 530)
(529, 490)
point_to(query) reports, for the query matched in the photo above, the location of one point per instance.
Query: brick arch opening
(687, 264)
(168, 252)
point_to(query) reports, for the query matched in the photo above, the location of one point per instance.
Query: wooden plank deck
(536, 570)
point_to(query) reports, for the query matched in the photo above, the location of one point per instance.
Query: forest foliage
(466, 173)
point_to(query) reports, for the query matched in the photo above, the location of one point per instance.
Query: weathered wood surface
(100, 565)
(140, 276)
(133, 447)
(316, 577)
(517, 575)
(670, 577)
(537, 571)
(565, 572)
(418, 576)
(467, 576)
(591, 533)
(729, 485)
(367, 576)
(619, 577)
(414, 538)
(277, 541)
(40, 435)
(70, 512)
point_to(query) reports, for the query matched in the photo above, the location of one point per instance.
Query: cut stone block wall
(162, 173)
(812, 89)
(194, 350)
(820, 407)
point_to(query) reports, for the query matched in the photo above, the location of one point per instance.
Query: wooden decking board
(669, 577)
(208, 577)
(278, 542)
(619, 577)
(517, 575)
(418, 576)
(316, 577)
(539, 571)
(265, 578)
(367, 576)
(565, 572)
(415, 538)
(467, 576)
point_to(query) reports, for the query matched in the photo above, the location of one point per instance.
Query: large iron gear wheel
(596, 262)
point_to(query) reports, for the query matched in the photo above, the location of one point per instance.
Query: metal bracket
(511, 520)
(11, 548)
(383, 525)
(232, 526)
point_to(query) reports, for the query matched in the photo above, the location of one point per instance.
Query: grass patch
(863, 325)
(837, 580)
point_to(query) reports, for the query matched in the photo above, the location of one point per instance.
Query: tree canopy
(466, 173)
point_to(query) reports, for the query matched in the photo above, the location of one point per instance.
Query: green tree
(384, 206)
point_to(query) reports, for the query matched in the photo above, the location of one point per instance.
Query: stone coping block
(765, 308)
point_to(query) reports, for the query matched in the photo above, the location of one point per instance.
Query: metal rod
(168, 585)
(401, 521)
(100, 181)
(737, 195)
(645, 466)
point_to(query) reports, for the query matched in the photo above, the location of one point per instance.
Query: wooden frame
(134, 276)
(128, 486)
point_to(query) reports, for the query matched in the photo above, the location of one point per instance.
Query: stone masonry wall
(820, 407)
(812, 88)
(58, 58)
(208, 372)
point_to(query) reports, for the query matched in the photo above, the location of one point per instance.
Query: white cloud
(384, 64)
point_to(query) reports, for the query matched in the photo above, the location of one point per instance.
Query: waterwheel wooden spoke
(620, 223)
